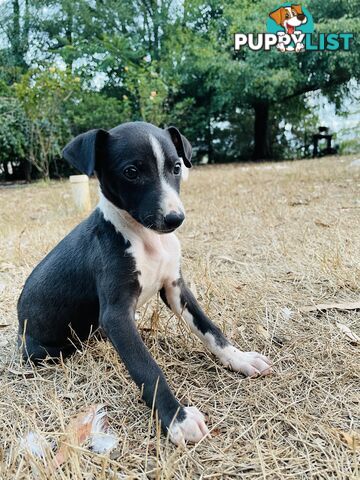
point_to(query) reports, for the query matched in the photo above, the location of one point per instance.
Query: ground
(260, 243)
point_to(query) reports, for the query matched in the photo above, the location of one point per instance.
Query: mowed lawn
(260, 243)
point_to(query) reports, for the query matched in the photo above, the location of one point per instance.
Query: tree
(263, 79)
(16, 23)
(230, 84)
(97, 63)
(44, 96)
(14, 130)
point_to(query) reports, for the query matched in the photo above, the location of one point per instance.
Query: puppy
(117, 259)
(289, 18)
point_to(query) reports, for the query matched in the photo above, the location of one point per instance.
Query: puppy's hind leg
(34, 351)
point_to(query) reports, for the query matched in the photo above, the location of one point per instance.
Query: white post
(81, 192)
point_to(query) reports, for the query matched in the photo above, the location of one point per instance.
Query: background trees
(70, 65)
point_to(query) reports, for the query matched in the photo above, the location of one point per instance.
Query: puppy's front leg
(182, 302)
(183, 423)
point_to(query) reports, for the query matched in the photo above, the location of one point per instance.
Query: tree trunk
(16, 35)
(27, 170)
(262, 149)
(208, 140)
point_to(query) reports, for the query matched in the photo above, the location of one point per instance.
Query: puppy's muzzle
(173, 220)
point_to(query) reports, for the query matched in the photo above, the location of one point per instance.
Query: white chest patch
(157, 256)
(158, 260)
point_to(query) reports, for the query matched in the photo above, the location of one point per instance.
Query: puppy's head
(139, 167)
(289, 16)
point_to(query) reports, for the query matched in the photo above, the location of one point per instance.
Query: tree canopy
(71, 65)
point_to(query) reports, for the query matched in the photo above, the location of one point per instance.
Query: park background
(72, 65)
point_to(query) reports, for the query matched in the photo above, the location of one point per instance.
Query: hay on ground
(260, 242)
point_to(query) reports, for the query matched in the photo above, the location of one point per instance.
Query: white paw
(251, 364)
(191, 429)
(299, 47)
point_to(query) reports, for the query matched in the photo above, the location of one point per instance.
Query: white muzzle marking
(170, 200)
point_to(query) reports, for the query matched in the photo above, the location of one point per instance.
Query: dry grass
(257, 239)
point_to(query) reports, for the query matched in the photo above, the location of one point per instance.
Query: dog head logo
(290, 28)
(289, 18)
(290, 21)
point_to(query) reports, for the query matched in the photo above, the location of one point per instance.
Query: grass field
(260, 243)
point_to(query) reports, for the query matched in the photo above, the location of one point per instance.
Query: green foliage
(74, 65)
(14, 130)
(92, 109)
(45, 95)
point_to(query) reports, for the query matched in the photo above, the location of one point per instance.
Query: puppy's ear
(83, 150)
(182, 145)
(278, 15)
(297, 9)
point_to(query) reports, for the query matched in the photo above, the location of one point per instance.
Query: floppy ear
(82, 151)
(182, 145)
(297, 9)
(278, 15)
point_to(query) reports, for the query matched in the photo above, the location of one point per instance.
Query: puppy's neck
(123, 222)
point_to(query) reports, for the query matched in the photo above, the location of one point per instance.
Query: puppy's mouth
(168, 230)
(159, 229)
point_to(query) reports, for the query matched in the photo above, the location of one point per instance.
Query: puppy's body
(68, 279)
(117, 259)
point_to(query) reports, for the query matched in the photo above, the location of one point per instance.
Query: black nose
(174, 219)
(301, 17)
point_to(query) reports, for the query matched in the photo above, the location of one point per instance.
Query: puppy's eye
(131, 172)
(177, 168)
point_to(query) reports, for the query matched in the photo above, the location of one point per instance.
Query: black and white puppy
(117, 259)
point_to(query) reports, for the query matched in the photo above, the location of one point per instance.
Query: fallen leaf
(330, 306)
(91, 424)
(262, 331)
(296, 203)
(154, 320)
(349, 333)
(351, 438)
(320, 223)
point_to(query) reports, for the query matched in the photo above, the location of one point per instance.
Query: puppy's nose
(174, 219)
(301, 17)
